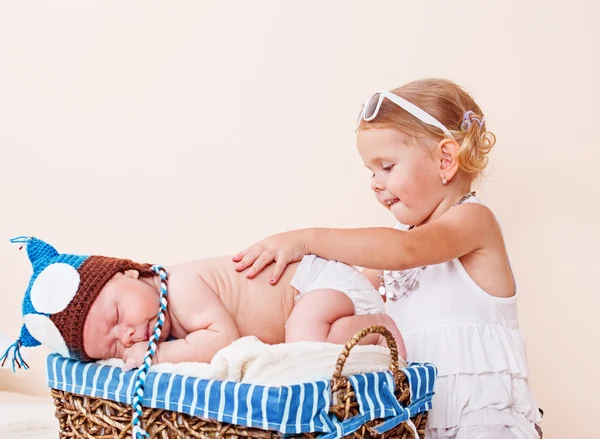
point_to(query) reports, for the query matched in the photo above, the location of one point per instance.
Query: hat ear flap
(54, 288)
(45, 332)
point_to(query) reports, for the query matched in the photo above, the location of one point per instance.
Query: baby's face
(125, 312)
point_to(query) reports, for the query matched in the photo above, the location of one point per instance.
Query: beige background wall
(166, 134)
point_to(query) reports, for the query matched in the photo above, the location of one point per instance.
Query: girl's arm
(461, 230)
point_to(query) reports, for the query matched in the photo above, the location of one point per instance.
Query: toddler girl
(443, 268)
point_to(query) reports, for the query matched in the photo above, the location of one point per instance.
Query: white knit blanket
(251, 361)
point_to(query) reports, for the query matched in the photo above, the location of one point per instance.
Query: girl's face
(406, 178)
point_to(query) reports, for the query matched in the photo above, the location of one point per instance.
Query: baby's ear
(132, 273)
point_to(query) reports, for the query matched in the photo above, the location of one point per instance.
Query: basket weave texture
(95, 418)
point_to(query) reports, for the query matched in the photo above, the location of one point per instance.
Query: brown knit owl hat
(94, 273)
(61, 291)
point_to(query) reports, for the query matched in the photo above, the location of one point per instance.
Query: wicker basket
(86, 417)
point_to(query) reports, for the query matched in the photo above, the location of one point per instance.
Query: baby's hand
(134, 355)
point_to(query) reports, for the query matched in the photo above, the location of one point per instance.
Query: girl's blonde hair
(453, 107)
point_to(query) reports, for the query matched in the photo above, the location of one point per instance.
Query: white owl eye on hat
(58, 298)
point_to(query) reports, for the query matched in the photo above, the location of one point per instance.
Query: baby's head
(125, 312)
(70, 297)
(426, 146)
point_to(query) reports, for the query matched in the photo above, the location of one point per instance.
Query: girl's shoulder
(471, 210)
(475, 221)
(467, 228)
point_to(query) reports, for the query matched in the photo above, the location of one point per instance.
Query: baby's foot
(381, 341)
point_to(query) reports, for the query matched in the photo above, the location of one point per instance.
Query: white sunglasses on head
(371, 107)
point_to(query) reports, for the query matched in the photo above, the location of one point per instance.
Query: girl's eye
(387, 168)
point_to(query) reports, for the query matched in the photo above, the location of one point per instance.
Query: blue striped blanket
(289, 409)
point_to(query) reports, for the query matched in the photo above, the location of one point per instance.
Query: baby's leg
(314, 314)
(328, 315)
(343, 329)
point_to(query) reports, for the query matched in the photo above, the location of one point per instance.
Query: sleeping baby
(97, 307)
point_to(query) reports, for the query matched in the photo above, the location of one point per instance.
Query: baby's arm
(198, 310)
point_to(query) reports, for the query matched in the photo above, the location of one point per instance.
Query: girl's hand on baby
(134, 355)
(283, 248)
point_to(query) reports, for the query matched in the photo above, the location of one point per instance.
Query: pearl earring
(444, 181)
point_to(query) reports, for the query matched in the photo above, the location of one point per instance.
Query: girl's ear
(448, 159)
(132, 273)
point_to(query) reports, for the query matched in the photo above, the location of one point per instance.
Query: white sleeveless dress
(474, 340)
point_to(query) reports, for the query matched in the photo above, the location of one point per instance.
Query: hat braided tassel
(13, 354)
(137, 431)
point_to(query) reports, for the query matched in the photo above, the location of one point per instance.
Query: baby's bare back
(258, 308)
